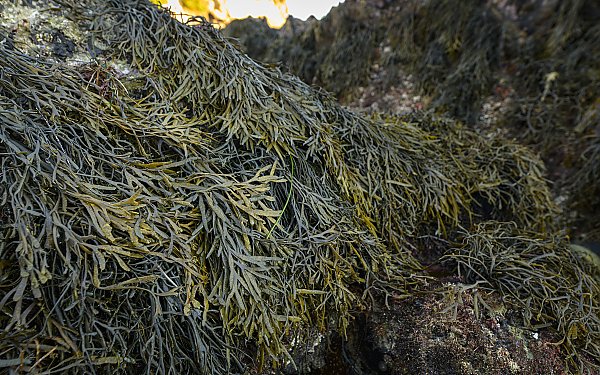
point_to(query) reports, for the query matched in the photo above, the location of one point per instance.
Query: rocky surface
(468, 333)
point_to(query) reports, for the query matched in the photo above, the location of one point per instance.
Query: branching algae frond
(191, 215)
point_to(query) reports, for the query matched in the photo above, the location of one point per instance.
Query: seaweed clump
(173, 206)
(557, 103)
(453, 51)
(528, 67)
(530, 270)
(335, 53)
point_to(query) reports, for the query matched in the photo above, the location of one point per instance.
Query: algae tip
(287, 201)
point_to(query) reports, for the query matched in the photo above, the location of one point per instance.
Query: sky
(301, 9)
(275, 15)
(305, 8)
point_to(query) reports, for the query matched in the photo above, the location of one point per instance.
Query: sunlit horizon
(303, 9)
(276, 15)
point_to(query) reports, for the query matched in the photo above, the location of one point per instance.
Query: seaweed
(556, 109)
(453, 49)
(535, 60)
(541, 275)
(335, 53)
(195, 210)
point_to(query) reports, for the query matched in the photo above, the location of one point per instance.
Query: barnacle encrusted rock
(169, 205)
